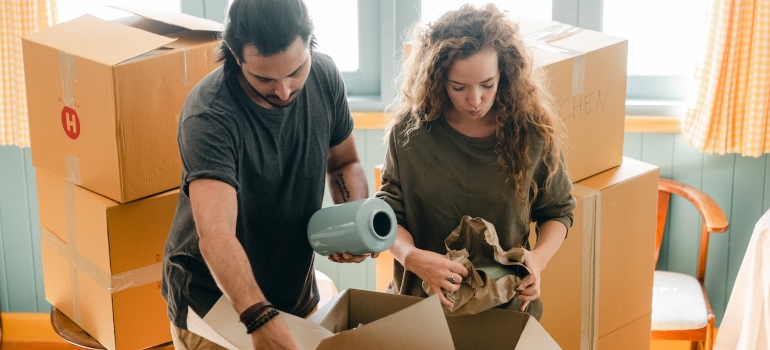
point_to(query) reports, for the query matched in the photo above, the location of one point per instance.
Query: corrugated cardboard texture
(104, 102)
(633, 336)
(102, 272)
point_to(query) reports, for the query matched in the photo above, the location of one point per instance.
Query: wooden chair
(680, 304)
(73, 334)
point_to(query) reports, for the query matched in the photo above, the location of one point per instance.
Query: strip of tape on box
(111, 283)
(78, 263)
(543, 38)
(185, 52)
(68, 77)
(589, 198)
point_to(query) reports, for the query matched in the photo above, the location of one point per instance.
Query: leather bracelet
(249, 315)
(261, 321)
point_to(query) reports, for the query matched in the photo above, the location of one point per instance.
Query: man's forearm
(348, 183)
(230, 267)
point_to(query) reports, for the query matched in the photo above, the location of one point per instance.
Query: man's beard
(267, 98)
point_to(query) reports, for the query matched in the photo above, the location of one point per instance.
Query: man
(257, 137)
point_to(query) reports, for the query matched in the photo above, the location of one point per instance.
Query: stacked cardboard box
(587, 78)
(104, 101)
(597, 289)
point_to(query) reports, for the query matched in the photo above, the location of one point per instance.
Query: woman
(473, 134)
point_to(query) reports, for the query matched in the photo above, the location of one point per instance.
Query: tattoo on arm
(344, 192)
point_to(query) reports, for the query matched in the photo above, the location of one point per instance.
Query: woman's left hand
(529, 289)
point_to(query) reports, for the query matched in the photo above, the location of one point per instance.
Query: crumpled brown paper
(475, 245)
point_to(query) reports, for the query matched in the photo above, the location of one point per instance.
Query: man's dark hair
(270, 25)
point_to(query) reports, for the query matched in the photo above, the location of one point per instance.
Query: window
(663, 41)
(663, 47)
(432, 9)
(336, 30)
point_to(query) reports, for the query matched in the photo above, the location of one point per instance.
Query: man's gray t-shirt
(276, 161)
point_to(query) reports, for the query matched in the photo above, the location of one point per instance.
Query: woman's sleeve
(556, 201)
(390, 190)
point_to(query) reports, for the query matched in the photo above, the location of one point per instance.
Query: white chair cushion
(677, 302)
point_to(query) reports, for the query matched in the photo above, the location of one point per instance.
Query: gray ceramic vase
(360, 227)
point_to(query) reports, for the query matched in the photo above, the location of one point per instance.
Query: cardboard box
(406, 322)
(104, 98)
(587, 72)
(102, 261)
(600, 280)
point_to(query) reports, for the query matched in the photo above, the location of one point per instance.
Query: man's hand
(350, 258)
(274, 334)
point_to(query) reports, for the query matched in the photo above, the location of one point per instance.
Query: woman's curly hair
(524, 107)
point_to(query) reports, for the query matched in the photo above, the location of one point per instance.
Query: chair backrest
(713, 219)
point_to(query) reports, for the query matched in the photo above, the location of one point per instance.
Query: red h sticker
(70, 122)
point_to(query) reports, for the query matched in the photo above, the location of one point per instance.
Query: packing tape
(589, 197)
(542, 39)
(185, 52)
(72, 168)
(184, 64)
(597, 263)
(111, 283)
(69, 205)
(68, 77)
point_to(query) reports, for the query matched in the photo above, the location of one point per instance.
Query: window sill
(653, 124)
(634, 123)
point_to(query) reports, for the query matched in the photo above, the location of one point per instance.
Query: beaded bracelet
(261, 321)
(249, 315)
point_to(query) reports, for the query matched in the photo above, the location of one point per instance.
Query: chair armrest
(713, 216)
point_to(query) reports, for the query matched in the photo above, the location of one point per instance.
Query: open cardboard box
(407, 322)
(105, 97)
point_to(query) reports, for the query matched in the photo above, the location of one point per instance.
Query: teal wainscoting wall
(21, 274)
(741, 186)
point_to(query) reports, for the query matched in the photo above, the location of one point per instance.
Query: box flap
(534, 336)
(99, 40)
(420, 326)
(174, 18)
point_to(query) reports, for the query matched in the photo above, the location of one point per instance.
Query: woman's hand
(529, 289)
(274, 334)
(350, 258)
(437, 271)
(552, 234)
